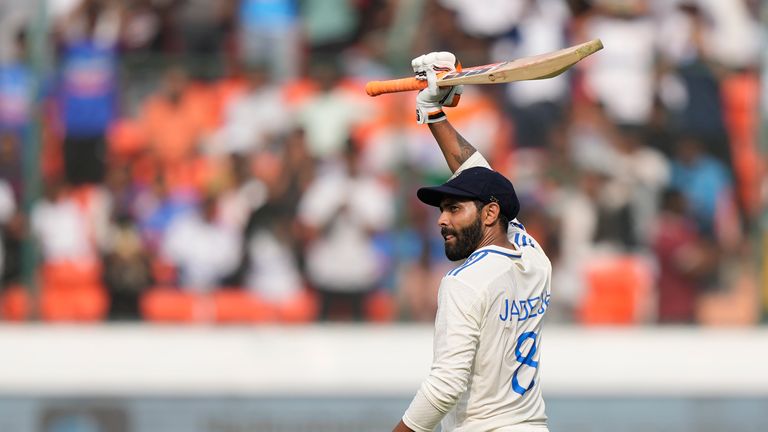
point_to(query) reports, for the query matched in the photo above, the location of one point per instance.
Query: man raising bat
(487, 341)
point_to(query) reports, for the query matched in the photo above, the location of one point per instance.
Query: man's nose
(442, 221)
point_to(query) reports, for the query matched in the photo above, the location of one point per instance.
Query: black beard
(467, 240)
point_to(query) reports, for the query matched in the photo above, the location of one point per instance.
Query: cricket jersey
(487, 342)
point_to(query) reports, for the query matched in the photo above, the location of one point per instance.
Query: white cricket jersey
(487, 342)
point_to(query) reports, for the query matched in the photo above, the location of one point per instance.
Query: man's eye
(454, 208)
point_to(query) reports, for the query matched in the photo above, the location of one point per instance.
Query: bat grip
(375, 88)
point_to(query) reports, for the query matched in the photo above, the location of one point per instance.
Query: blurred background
(195, 192)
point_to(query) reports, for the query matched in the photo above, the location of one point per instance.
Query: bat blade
(541, 66)
(528, 68)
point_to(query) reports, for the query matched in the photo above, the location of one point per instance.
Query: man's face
(460, 226)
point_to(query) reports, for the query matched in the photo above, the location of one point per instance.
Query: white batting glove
(430, 101)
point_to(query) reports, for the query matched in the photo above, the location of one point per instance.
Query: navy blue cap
(477, 183)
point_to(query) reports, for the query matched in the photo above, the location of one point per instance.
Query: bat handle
(375, 88)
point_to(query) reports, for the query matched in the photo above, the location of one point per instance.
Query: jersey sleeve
(457, 331)
(476, 160)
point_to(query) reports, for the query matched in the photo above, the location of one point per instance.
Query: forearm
(455, 148)
(401, 427)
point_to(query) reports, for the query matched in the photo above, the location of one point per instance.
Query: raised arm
(430, 103)
(456, 149)
(402, 427)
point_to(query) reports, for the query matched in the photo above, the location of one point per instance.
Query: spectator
(204, 251)
(253, 119)
(723, 32)
(122, 191)
(342, 208)
(706, 184)
(272, 263)
(536, 105)
(615, 220)
(171, 121)
(96, 206)
(127, 271)
(699, 111)
(176, 118)
(58, 223)
(143, 29)
(203, 27)
(623, 80)
(441, 26)
(269, 34)
(578, 214)
(242, 195)
(593, 147)
(684, 259)
(273, 271)
(13, 235)
(16, 87)
(157, 207)
(7, 213)
(10, 162)
(486, 22)
(364, 61)
(329, 116)
(330, 26)
(645, 172)
(14, 18)
(88, 88)
(12, 220)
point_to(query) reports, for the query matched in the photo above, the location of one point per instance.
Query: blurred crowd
(219, 161)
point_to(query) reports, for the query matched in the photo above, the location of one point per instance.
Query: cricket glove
(430, 101)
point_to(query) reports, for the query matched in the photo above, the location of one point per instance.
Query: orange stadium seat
(239, 306)
(70, 273)
(298, 309)
(144, 169)
(85, 303)
(740, 94)
(14, 303)
(617, 289)
(72, 291)
(172, 305)
(126, 138)
(380, 306)
(236, 306)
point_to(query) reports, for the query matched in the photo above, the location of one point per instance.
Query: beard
(466, 240)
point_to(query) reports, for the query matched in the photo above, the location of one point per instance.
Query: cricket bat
(527, 68)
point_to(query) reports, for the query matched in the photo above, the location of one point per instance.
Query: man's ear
(491, 213)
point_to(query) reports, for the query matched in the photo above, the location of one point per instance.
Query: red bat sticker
(477, 70)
